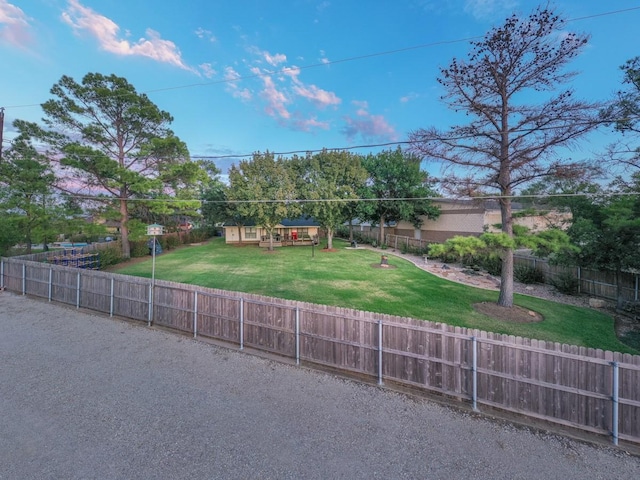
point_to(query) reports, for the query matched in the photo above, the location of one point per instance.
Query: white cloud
(82, 18)
(232, 77)
(14, 25)
(205, 34)
(276, 59)
(409, 97)
(282, 89)
(207, 70)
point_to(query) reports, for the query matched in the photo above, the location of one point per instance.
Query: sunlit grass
(347, 278)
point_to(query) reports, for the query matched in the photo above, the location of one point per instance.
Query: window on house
(250, 232)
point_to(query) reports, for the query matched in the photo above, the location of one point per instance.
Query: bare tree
(508, 87)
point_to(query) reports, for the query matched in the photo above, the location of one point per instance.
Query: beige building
(474, 217)
(301, 231)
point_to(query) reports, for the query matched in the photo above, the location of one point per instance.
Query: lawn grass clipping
(345, 278)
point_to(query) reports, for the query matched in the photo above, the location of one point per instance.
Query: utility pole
(1, 130)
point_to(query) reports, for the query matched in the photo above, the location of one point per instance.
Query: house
(299, 231)
(474, 217)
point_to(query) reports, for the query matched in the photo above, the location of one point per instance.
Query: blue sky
(254, 75)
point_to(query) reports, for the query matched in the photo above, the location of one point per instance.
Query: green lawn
(346, 278)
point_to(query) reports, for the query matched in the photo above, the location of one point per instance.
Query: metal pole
(195, 314)
(78, 292)
(111, 299)
(615, 403)
(297, 336)
(241, 323)
(474, 369)
(153, 280)
(24, 279)
(379, 352)
(150, 305)
(50, 281)
(2, 274)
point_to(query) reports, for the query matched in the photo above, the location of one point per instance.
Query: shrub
(565, 283)
(139, 248)
(492, 264)
(527, 274)
(199, 235)
(110, 255)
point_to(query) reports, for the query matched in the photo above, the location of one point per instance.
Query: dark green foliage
(528, 275)
(565, 283)
(139, 248)
(492, 264)
(110, 255)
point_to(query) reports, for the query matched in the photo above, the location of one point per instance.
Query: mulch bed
(508, 314)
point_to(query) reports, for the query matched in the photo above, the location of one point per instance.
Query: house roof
(289, 223)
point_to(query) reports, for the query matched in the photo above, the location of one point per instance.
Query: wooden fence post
(24, 279)
(50, 282)
(1, 274)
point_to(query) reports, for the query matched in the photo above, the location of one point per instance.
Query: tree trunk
(382, 220)
(124, 229)
(350, 230)
(240, 234)
(505, 299)
(329, 238)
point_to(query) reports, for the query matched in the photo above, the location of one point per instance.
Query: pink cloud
(14, 25)
(309, 124)
(106, 32)
(368, 126)
(276, 59)
(276, 100)
(321, 98)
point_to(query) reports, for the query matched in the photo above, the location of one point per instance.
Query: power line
(345, 60)
(350, 200)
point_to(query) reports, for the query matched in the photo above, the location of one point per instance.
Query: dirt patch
(513, 314)
(329, 250)
(383, 267)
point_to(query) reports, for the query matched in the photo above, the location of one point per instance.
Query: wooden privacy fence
(583, 388)
(596, 283)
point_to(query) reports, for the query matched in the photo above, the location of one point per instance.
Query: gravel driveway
(83, 396)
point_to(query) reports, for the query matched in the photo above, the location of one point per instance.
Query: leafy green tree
(332, 179)
(399, 189)
(117, 145)
(515, 127)
(264, 191)
(610, 238)
(26, 190)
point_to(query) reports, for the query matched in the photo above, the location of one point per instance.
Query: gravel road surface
(84, 396)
